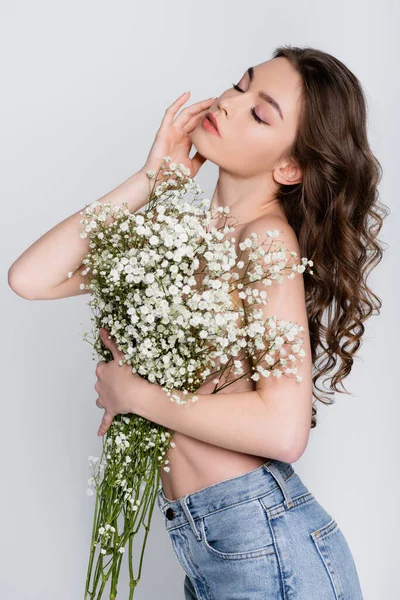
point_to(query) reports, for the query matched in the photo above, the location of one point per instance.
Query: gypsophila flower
(163, 282)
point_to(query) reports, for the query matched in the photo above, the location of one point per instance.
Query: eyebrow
(264, 95)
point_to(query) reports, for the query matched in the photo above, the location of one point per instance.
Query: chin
(203, 145)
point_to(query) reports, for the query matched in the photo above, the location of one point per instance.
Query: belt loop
(275, 472)
(184, 503)
(160, 501)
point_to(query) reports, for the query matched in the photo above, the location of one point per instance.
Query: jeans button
(169, 513)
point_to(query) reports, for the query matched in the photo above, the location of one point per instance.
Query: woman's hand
(173, 137)
(115, 384)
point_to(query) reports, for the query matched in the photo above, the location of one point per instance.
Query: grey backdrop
(84, 87)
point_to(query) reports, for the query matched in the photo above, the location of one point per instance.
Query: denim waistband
(253, 484)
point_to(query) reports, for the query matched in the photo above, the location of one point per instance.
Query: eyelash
(253, 110)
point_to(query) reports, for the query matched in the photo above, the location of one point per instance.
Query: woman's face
(245, 146)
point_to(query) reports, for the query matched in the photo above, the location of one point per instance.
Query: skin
(252, 164)
(251, 155)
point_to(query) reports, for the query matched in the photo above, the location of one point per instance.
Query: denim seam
(203, 581)
(251, 499)
(280, 509)
(258, 497)
(184, 504)
(302, 499)
(316, 539)
(326, 530)
(278, 558)
(179, 560)
(259, 552)
(272, 511)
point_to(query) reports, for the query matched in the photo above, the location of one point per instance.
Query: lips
(212, 120)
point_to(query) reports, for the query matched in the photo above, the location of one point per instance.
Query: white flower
(162, 283)
(173, 290)
(273, 234)
(153, 240)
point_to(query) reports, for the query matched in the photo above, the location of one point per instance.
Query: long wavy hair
(334, 211)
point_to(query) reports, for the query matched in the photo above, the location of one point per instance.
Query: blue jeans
(259, 536)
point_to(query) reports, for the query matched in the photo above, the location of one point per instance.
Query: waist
(266, 479)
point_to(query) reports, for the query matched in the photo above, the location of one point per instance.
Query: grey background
(84, 88)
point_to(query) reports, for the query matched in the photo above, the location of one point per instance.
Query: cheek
(251, 153)
(246, 152)
(260, 151)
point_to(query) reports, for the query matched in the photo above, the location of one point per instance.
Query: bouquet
(164, 284)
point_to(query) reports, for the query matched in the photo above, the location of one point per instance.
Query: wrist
(146, 398)
(156, 166)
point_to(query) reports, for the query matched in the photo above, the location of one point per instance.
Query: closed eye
(253, 109)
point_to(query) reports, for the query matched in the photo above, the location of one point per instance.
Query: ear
(287, 173)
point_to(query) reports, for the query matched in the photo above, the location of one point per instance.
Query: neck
(247, 198)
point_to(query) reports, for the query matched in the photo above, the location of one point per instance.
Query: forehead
(280, 79)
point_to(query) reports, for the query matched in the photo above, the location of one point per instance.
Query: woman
(290, 142)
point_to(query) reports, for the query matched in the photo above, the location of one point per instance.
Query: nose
(221, 105)
(232, 105)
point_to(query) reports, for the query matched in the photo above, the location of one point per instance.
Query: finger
(111, 344)
(105, 423)
(194, 110)
(197, 160)
(174, 107)
(192, 123)
(101, 362)
(98, 403)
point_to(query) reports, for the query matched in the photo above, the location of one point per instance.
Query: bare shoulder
(268, 223)
(288, 298)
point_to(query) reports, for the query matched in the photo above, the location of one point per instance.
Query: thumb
(105, 423)
(198, 160)
(111, 344)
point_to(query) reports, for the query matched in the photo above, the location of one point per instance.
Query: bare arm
(271, 421)
(41, 272)
(289, 401)
(239, 421)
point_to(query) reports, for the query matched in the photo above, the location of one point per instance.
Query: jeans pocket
(239, 531)
(338, 561)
